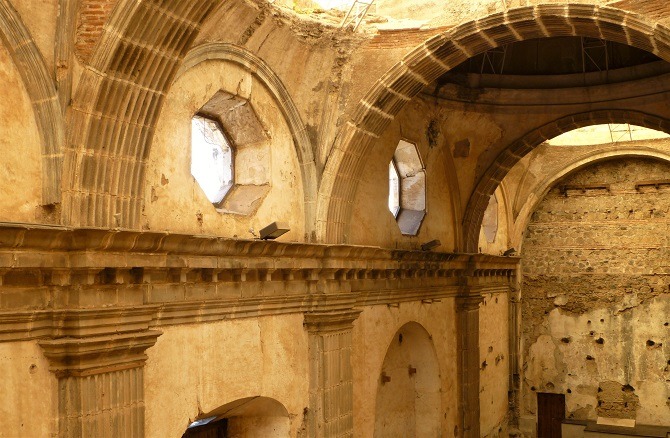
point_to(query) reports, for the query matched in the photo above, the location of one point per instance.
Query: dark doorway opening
(550, 414)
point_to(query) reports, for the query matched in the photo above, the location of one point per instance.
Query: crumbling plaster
(494, 365)
(327, 74)
(594, 295)
(533, 176)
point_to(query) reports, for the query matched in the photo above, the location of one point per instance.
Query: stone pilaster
(331, 380)
(467, 311)
(100, 380)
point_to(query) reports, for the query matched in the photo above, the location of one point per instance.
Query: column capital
(469, 301)
(98, 354)
(330, 320)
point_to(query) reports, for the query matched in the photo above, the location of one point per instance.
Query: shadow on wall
(408, 395)
(245, 417)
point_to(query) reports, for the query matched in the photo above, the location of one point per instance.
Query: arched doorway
(243, 418)
(408, 400)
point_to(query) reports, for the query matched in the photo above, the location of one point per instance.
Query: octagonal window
(211, 158)
(407, 188)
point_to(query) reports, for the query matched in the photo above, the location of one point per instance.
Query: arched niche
(267, 168)
(408, 401)
(246, 417)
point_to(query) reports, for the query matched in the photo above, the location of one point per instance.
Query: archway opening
(245, 417)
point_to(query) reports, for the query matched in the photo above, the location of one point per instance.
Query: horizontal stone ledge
(26, 245)
(99, 322)
(105, 278)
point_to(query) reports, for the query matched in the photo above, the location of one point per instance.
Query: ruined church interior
(335, 218)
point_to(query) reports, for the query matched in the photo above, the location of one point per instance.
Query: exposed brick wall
(595, 301)
(394, 38)
(93, 15)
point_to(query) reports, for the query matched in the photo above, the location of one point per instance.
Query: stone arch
(116, 106)
(249, 416)
(408, 401)
(41, 89)
(263, 72)
(518, 149)
(441, 53)
(543, 187)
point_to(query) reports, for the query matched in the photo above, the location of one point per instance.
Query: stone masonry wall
(595, 294)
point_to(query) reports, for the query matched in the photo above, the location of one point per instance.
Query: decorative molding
(64, 50)
(78, 357)
(466, 303)
(333, 321)
(60, 282)
(489, 181)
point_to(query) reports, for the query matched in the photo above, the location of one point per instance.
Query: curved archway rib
(41, 89)
(542, 188)
(518, 149)
(116, 107)
(444, 52)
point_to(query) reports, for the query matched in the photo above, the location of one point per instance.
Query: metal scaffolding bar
(594, 53)
(357, 12)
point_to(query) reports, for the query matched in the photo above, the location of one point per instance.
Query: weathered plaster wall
(21, 169)
(408, 401)
(494, 359)
(532, 177)
(373, 223)
(313, 60)
(595, 295)
(373, 333)
(174, 200)
(194, 369)
(29, 405)
(499, 214)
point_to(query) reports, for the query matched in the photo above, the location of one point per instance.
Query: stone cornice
(75, 283)
(83, 241)
(74, 323)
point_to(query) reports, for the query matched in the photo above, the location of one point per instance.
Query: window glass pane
(211, 158)
(394, 189)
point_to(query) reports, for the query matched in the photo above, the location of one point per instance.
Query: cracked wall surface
(595, 294)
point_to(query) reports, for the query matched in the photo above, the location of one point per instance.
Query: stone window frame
(412, 174)
(250, 144)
